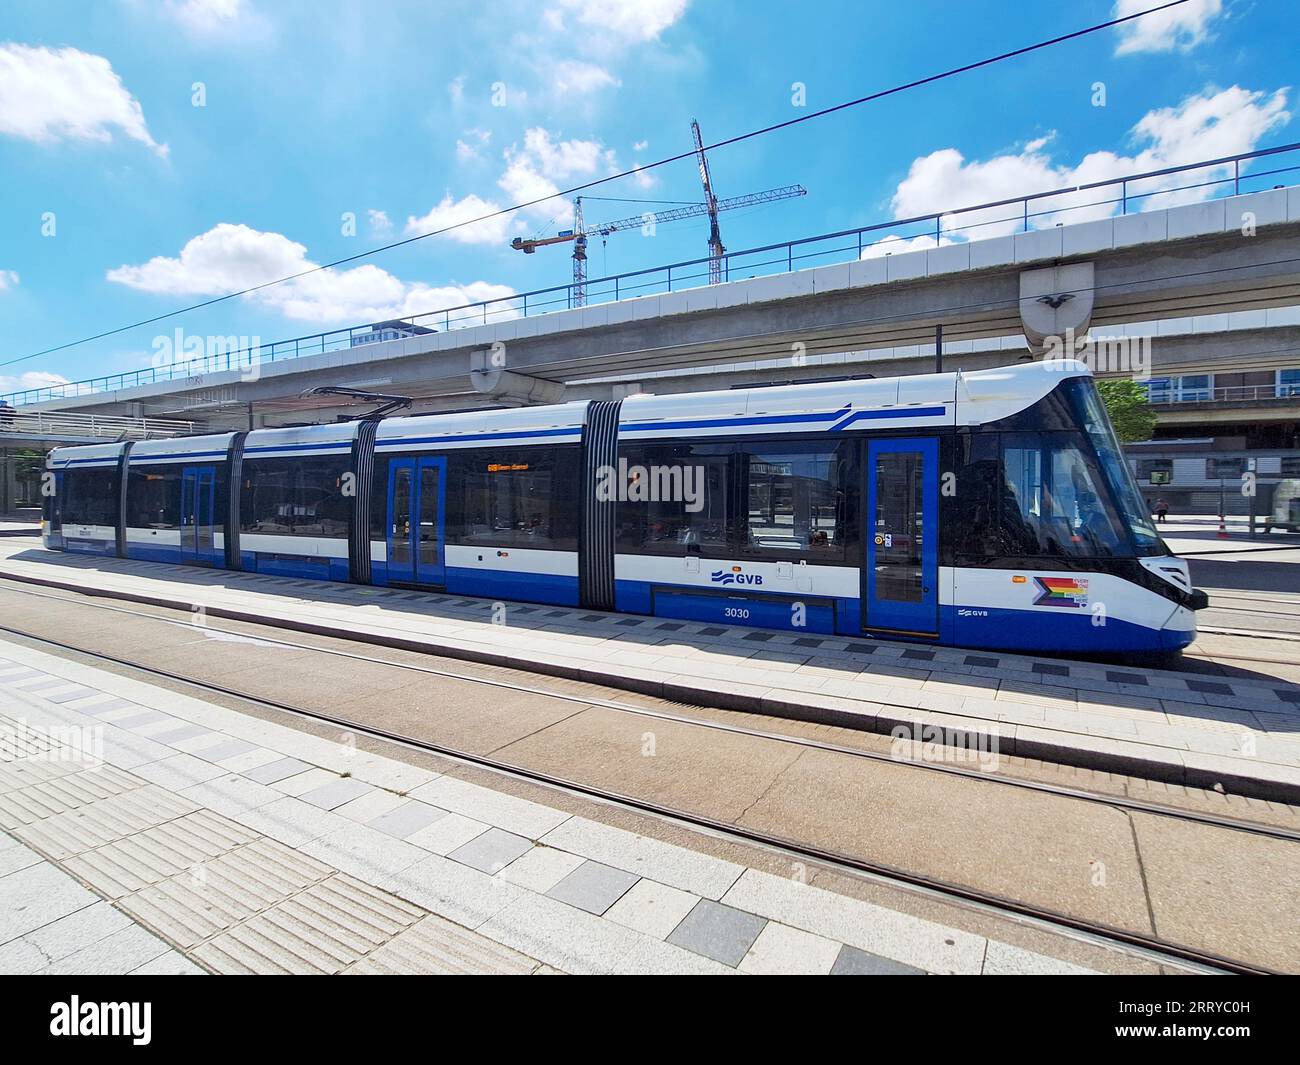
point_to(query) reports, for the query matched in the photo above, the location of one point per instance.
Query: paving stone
(183, 733)
(521, 816)
(541, 868)
(173, 963)
(937, 948)
(568, 938)
(593, 887)
(20, 958)
(227, 748)
(334, 794)
(178, 772)
(689, 870)
(720, 932)
(491, 851)
(854, 962)
(273, 772)
(120, 952)
(447, 833)
(408, 818)
(781, 950)
(461, 894)
(1002, 959)
(652, 908)
(652, 957)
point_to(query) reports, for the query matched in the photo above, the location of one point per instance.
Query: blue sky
(386, 110)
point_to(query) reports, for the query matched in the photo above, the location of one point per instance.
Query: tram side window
(671, 497)
(793, 498)
(153, 498)
(295, 497)
(1054, 499)
(521, 498)
(976, 499)
(90, 497)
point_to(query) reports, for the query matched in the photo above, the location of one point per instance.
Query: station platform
(146, 831)
(1240, 734)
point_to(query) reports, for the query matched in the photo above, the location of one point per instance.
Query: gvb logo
(735, 575)
(114, 1019)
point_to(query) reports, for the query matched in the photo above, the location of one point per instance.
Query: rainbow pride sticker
(1061, 591)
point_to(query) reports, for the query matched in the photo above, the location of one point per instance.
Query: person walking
(1162, 509)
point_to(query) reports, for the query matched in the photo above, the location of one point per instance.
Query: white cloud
(572, 77)
(380, 224)
(532, 170)
(1204, 126)
(632, 20)
(1174, 29)
(48, 96)
(31, 379)
(470, 149)
(894, 245)
(456, 89)
(640, 146)
(229, 257)
(218, 18)
(451, 212)
(8, 278)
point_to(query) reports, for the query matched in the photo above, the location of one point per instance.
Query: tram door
(901, 577)
(198, 513)
(416, 495)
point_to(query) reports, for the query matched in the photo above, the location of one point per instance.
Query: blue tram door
(416, 495)
(901, 577)
(199, 514)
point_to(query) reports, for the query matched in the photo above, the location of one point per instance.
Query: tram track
(1119, 802)
(1135, 944)
(827, 852)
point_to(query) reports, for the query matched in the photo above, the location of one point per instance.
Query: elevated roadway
(1234, 254)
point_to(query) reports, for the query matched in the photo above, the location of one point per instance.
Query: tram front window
(1124, 491)
(1055, 501)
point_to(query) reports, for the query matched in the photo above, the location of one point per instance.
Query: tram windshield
(1053, 484)
(1128, 499)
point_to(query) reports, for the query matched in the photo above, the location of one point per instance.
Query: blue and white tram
(990, 509)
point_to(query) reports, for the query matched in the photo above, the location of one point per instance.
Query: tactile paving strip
(322, 929)
(157, 853)
(57, 795)
(104, 821)
(436, 946)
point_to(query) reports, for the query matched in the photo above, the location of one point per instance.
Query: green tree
(1129, 409)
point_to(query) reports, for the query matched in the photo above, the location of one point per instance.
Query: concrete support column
(1056, 302)
(510, 387)
(8, 481)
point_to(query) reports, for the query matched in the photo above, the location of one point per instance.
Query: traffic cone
(1223, 528)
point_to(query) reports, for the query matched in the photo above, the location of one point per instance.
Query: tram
(987, 509)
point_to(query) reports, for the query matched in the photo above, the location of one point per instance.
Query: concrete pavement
(205, 839)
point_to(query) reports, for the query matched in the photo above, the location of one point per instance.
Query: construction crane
(712, 207)
(716, 249)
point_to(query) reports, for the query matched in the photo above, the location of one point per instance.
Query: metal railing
(1133, 193)
(1229, 394)
(56, 423)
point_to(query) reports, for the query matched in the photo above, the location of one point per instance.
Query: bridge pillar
(1056, 302)
(8, 480)
(496, 381)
